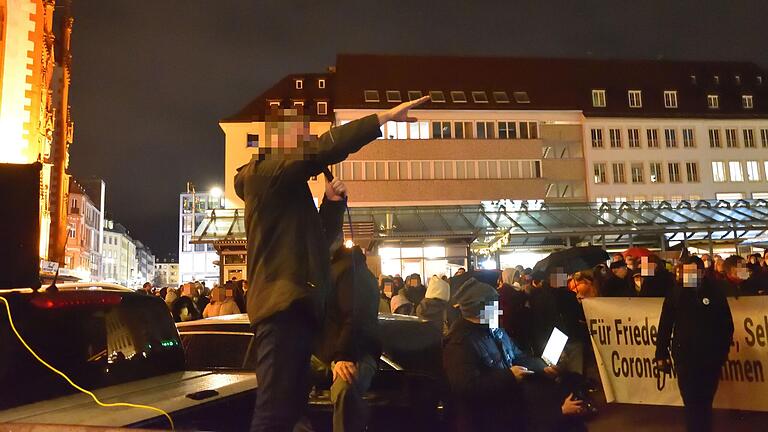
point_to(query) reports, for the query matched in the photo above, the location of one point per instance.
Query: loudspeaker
(20, 225)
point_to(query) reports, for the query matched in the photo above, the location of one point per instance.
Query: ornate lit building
(35, 122)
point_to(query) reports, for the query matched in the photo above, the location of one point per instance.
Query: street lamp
(216, 192)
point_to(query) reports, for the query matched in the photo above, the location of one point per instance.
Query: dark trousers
(698, 385)
(282, 348)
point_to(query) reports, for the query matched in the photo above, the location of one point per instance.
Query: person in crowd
(719, 268)
(632, 264)
(222, 301)
(516, 313)
(386, 287)
(397, 284)
(584, 285)
(432, 308)
(494, 385)
(197, 292)
(414, 289)
(707, 260)
(697, 327)
(170, 296)
(618, 283)
(146, 289)
(184, 308)
(400, 304)
(350, 338)
(460, 271)
(288, 249)
(617, 257)
(657, 281)
(738, 280)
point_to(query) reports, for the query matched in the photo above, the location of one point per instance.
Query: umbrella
(637, 252)
(573, 259)
(490, 277)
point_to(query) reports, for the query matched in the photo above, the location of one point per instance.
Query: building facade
(35, 122)
(145, 263)
(166, 273)
(84, 234)
(543, 131)
(197, 261)
(120, 263)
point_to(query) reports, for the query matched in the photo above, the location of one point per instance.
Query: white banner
(624, 330)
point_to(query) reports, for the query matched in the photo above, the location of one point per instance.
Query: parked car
(406, 391)
(122, 345)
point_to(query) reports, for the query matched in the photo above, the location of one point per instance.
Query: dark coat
(516, 319)
(702, 332)
(554, 307)
(351, 328)
(617, 287)
(658, 285)
(432, 310)
(288, 240)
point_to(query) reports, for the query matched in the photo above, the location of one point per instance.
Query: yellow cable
(63, 375)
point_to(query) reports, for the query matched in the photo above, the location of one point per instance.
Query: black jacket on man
(288, 256)
(351, 324)
(615, 286)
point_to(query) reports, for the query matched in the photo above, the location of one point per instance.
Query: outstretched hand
(400, 112)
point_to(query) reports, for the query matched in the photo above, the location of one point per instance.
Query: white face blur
(690, 275)
(490, 315)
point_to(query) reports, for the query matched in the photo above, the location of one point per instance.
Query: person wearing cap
(618, 283)
(696, 328)
(494, 384)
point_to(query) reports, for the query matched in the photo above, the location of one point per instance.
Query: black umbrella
(490, 277)
(572, 260)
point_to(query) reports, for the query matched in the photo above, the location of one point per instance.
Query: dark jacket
(288, 241)
(432, 310)
(701, 321)
(351, 328)
(618, 287)
(554, 307)
(416, 293)
(484, 391)
(517, 316)
(749, 287)
(658, 285)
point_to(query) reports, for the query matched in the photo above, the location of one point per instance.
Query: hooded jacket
(435, 302)
(351, 328)
(288, 240)
(416, 293)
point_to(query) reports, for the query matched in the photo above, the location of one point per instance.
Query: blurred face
(719, 265)
(620, 272)
(286, 135)
(490, 315)
(647, 268)
(631, 261)
(691, 276)
(558, 279)
(707, 261)
(388, 289)
(739, 272)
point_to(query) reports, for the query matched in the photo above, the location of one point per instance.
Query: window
(599, 173)
(618, 173)
(252, 140)
(299, 84)
(441, 129)
(598, 98)
(764, 137)
(479, 97)
(507, 130)
(731, 140)
(747, 102)
(399, 130)
(653, 138)
(321, 83)
(371, 95)
(716, 79)
(670, 99)
(464, 129)
(637, 172)
(714, 138)
(692, 172)
(418, 130)
(298, 103)
(393, 96)
(674, 172)
(753, 171)
(322, 108)
(670, 138)
(274, 104)
(734, 171)
(597, 138)
(500, 97)
(615, 136)
(656, 174)
(689, 138)
(749, 138)
(713, 101)
(521, 97)
(529, 130)
(485, 130)
(458, 97)
(634, 138)
(414, 94)
(437, 96)
(185, 246)
(635, 98)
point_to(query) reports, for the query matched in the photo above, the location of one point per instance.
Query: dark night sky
(152, 78)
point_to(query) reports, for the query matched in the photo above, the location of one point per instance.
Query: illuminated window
(615, 137)
(599, 169)
(598, 98)
(635, 98)
(713, 101)
(670, 138)
(653, 138)
(749, 138)
(747, 102)
(714, 138)
(637, 172)
(670, 99)
(735, 172)
(597, 138)
(618, 173)
(689, 138)
(299, 84)
(321, 83)
(634, 138)
(322, 108)
(753, 171)
(731, 138)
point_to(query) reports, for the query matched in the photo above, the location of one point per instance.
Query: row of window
(656, 199)
(321, 107)
(437, 170)
(460, 129)
(457, 96)
(734, 171)
(635, 99)
(299, 83)
(686, 137)
(637, 172)
(186, 246)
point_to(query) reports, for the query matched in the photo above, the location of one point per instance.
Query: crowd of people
(194, 300)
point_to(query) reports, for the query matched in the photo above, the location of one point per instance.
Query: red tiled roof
(555, 84)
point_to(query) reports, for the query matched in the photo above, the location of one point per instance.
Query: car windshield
(97, 338)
